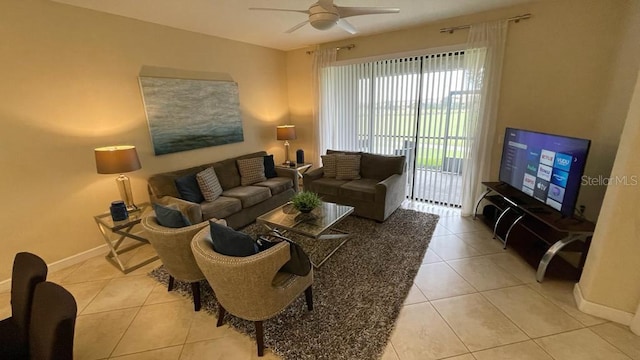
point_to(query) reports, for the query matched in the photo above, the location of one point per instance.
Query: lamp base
(124, 187)
(286, 153)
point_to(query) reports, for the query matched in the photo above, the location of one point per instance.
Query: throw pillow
(269, 167)
(227, 241)
(251, 171)
(170, 216)
(348, 167)
(329, 165)
(189, 189)
(209, 184)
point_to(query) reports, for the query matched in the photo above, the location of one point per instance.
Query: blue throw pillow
(227, 241)
(170, 216)
(189, 189)
(269, 167)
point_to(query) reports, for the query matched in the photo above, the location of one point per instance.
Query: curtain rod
(344, 47)
(515, 19)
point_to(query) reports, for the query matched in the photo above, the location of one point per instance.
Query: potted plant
(305, 201)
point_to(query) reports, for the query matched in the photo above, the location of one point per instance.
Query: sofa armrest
(289, 173)
(391, 191)
(312, 175)
(191, 209)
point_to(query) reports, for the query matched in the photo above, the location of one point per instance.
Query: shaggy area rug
(357, 293)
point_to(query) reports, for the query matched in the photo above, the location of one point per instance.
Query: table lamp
(286, 133)
(118, 160)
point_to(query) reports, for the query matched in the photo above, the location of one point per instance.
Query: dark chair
(53, 321)
(28, 271)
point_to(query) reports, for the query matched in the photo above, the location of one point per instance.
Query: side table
(300, 169)
(115, 232)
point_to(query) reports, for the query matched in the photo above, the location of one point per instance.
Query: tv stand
(540, 220)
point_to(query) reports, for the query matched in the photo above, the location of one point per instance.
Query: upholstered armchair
(250, 287)
(174, 250)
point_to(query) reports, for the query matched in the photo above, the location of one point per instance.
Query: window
(414, 106)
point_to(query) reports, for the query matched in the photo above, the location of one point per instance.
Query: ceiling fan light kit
(324, 15)
(321, 18)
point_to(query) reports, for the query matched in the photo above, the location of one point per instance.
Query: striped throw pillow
(251, 171)
(348, 167)
(209, 184)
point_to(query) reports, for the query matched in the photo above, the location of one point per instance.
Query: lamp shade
(286, 132)
(117, 159)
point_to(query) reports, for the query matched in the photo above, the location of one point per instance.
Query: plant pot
(305, 210)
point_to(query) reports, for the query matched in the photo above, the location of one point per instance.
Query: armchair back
(249, 287)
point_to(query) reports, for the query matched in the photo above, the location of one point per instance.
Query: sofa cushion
(248, 195)
(329, 165)
(361, 190)
(227, 172)
(327, 186)
(209, 184)
(189, 189)
(269, 167)
(251, 171)
(160, 185)
(220, 208)
(348, 167)
(227, 241)
(342, 152)
(170, 216)
(380, 167)
(276, 185)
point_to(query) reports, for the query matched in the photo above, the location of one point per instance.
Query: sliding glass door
(414, 106)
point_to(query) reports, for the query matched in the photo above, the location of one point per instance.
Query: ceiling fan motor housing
(321, 18)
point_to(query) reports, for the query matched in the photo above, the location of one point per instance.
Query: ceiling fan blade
(297, 27)
(356, 11)
(346, 26)
(325, 4)
(287, 10)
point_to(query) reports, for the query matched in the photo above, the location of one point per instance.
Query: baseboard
(65, 263)
(601, 311)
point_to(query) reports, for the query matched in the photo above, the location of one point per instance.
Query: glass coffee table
(319, 224)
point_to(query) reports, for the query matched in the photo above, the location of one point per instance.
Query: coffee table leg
(334, 250)
(277, 233)
(342, 234)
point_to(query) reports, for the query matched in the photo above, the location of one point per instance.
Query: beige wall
(69, 84)
(301, 102)
(612, 266)
(568, 70)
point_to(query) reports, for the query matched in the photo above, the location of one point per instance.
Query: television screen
(546, 167)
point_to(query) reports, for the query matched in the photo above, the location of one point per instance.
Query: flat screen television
(545, 167)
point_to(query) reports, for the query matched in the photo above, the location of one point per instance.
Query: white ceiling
(231, 19)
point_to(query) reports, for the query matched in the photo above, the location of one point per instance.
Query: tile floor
(471, 301)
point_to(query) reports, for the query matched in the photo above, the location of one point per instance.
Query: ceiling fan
(324, 14)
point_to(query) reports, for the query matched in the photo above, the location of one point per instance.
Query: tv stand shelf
(518, 211)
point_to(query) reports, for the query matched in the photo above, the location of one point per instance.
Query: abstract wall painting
(186, 114)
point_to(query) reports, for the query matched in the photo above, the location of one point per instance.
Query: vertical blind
(414, 106)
